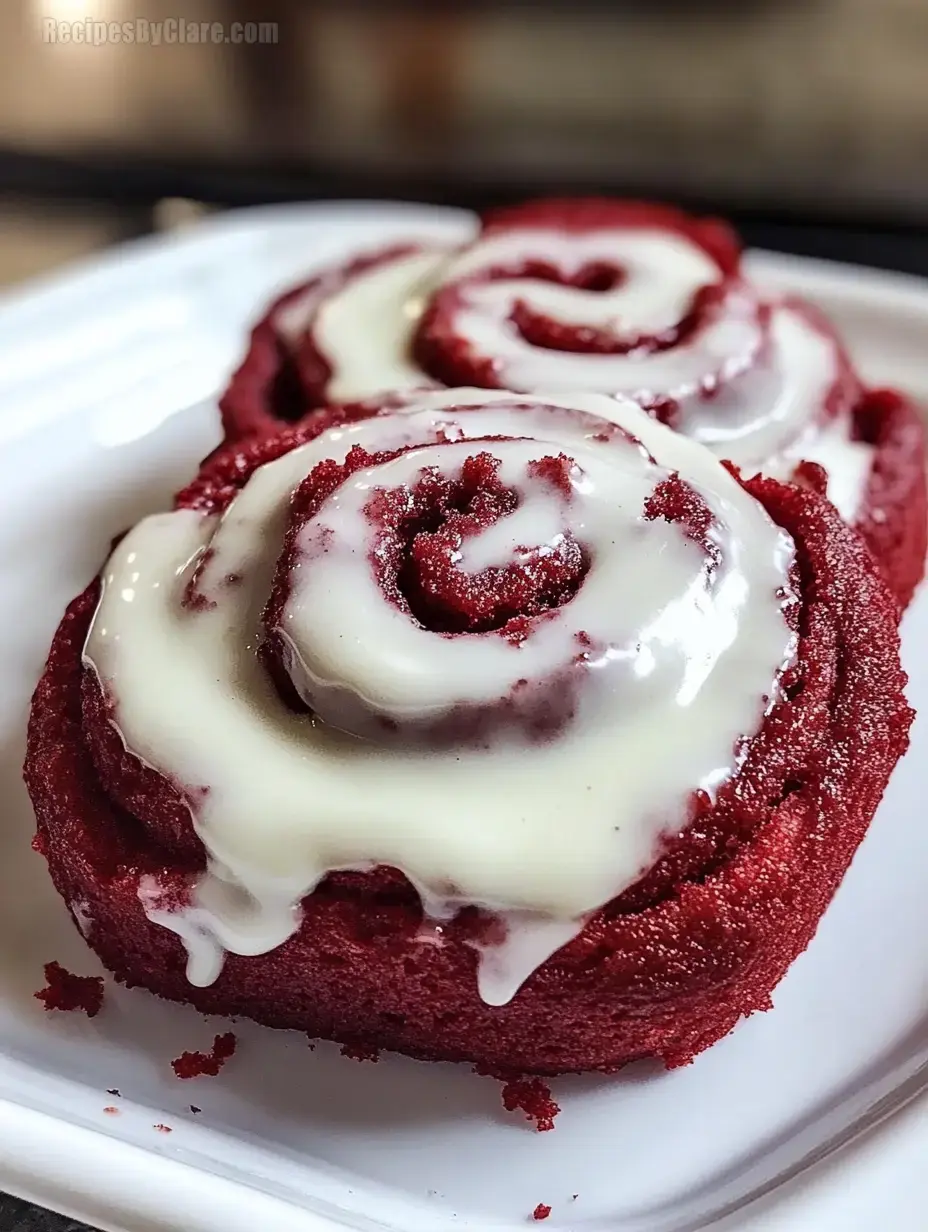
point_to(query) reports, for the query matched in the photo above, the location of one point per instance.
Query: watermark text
(167, 32)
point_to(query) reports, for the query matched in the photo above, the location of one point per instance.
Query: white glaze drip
(685, 663)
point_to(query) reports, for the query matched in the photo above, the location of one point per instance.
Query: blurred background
(805, 120)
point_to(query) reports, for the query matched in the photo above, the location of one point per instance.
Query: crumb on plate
(520, 1091)
(360, 1052)
(205, 1064)
(66, 991)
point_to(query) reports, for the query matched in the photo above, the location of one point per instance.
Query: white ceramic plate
(809, 1117)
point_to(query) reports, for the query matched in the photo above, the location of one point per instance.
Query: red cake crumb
(533, 1097)
(66, 991)
(111, 1111)
(812, 476)
(360, 1052)
(556, 471)
(205, 1064)
(541, 1211)
(163, 1129)
(38, 844)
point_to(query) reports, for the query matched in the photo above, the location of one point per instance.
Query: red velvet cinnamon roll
(618, 298)
(490, 728)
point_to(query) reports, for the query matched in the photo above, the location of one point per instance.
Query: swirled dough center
(684, 665)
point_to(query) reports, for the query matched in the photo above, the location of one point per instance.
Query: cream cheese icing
(684, 664)
(763, 411)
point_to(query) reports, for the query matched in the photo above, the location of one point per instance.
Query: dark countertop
(16, 1216)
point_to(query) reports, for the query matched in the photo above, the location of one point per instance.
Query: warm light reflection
(77, 10)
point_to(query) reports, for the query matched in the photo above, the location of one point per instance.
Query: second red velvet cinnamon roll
(491, 727)
(616, 298)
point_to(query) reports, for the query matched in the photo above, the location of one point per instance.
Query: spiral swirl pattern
(467, 607)
(626, 299)
(611, 297)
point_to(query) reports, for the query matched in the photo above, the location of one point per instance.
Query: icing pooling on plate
(683, 663)
(767, 384)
